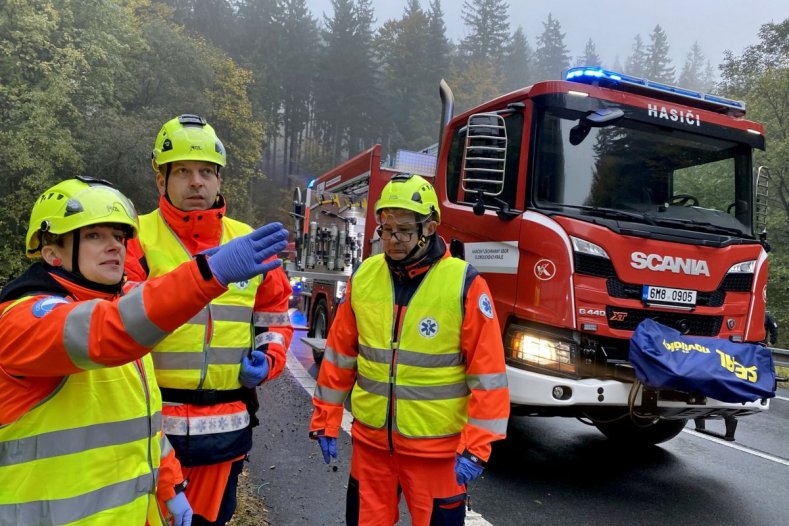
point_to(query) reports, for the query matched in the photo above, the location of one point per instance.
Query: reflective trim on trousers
(205, 425)
(65, 511)
(76, 440)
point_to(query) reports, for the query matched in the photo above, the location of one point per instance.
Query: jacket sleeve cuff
(474, 458)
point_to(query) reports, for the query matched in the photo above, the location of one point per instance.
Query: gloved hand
(328, 447)
(243, 257)
(180, 510)
(466, 470)
(253, 370)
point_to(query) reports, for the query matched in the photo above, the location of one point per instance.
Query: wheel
(318, 327)
(641, 433)
(684, 200)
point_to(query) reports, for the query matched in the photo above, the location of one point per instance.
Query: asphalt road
(549, 471)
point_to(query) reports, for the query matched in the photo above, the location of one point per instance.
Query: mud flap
(449, 511)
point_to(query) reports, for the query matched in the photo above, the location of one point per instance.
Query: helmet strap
(75, 253)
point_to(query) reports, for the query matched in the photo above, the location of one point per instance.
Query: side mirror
(597, 119)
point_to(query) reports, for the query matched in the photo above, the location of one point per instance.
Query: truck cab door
(483, 195)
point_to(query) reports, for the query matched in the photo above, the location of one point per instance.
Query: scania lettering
(589, 204)
(659, 263)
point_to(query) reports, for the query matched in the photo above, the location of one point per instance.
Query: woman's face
(102, 251)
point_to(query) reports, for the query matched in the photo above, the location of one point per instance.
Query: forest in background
(86, 85)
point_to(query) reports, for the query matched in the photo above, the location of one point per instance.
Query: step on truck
(588, 204)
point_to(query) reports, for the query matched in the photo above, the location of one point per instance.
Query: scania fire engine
(588, 204)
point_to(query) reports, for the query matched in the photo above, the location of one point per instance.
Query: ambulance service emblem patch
(428, 327)
(485, 306)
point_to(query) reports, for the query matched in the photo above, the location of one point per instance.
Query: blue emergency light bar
(610, 79)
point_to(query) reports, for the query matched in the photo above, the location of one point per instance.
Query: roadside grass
(250, 510)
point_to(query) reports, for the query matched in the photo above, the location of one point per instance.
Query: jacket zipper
(392, 372)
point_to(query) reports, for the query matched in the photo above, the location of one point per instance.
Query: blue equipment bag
(714, 367)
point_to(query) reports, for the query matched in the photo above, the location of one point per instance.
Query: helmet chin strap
(75, 253)
(421, 242)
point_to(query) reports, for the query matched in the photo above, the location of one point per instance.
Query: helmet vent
(167, 145)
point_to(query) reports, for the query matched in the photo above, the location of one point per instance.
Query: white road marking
(738, 447)
(308, 383)
(785, 399)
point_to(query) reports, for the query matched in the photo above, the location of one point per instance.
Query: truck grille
(593, 265)
(684, 322)
(737, 282)
(619, 289)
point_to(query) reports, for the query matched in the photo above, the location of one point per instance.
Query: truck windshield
(631, 170)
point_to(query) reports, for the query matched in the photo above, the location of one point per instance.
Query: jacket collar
(197, 229)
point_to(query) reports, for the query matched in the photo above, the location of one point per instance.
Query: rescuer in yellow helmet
(80, 422)
(209, 369)
(416, 344)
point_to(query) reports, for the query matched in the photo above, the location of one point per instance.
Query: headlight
(745, 267)
(524, 345)
(586, 247)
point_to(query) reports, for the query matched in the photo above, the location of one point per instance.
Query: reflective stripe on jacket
(206, 352)
(420, 369)
(103, 424)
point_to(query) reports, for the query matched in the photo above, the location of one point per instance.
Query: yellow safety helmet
(187, 138)
(76, 203)
(411, 192)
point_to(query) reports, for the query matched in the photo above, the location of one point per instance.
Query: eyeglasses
(401, 236)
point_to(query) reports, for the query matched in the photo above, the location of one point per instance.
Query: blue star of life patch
(428, 327)
(485, 306)
(43, 306)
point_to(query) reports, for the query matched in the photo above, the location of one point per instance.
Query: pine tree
(636, 62)
(551, 57)
(590, 56)
(517, 67)
(658, 63)
(489, 29)
(693, 72)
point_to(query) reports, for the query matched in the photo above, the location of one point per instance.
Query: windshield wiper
(702, 226)
(609, 213)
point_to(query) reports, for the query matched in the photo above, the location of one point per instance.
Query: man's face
(192, 185)
(400, 233)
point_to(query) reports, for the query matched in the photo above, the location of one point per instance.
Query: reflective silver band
(269, 337)
(231, 313)
(494, 425)
(340, 360)
(269, 319)
(375, 355)
(431, 392)
(330, 395)
(487, 382)
(372, 386)
(135, 319)
(205, 425)
(420, 359)
(76, 334)
(68, 441)
(66, 511)
(169, 360)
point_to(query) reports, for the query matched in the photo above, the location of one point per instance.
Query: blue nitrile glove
(328, 447)
(243, 257)
(180, 510)
(254, 369)
(466, 470)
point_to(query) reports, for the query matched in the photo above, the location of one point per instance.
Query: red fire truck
(588, 204)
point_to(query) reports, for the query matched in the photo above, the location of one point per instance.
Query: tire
(318, 327)
(625, 430)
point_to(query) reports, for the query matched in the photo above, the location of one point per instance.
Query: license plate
(668, 295)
